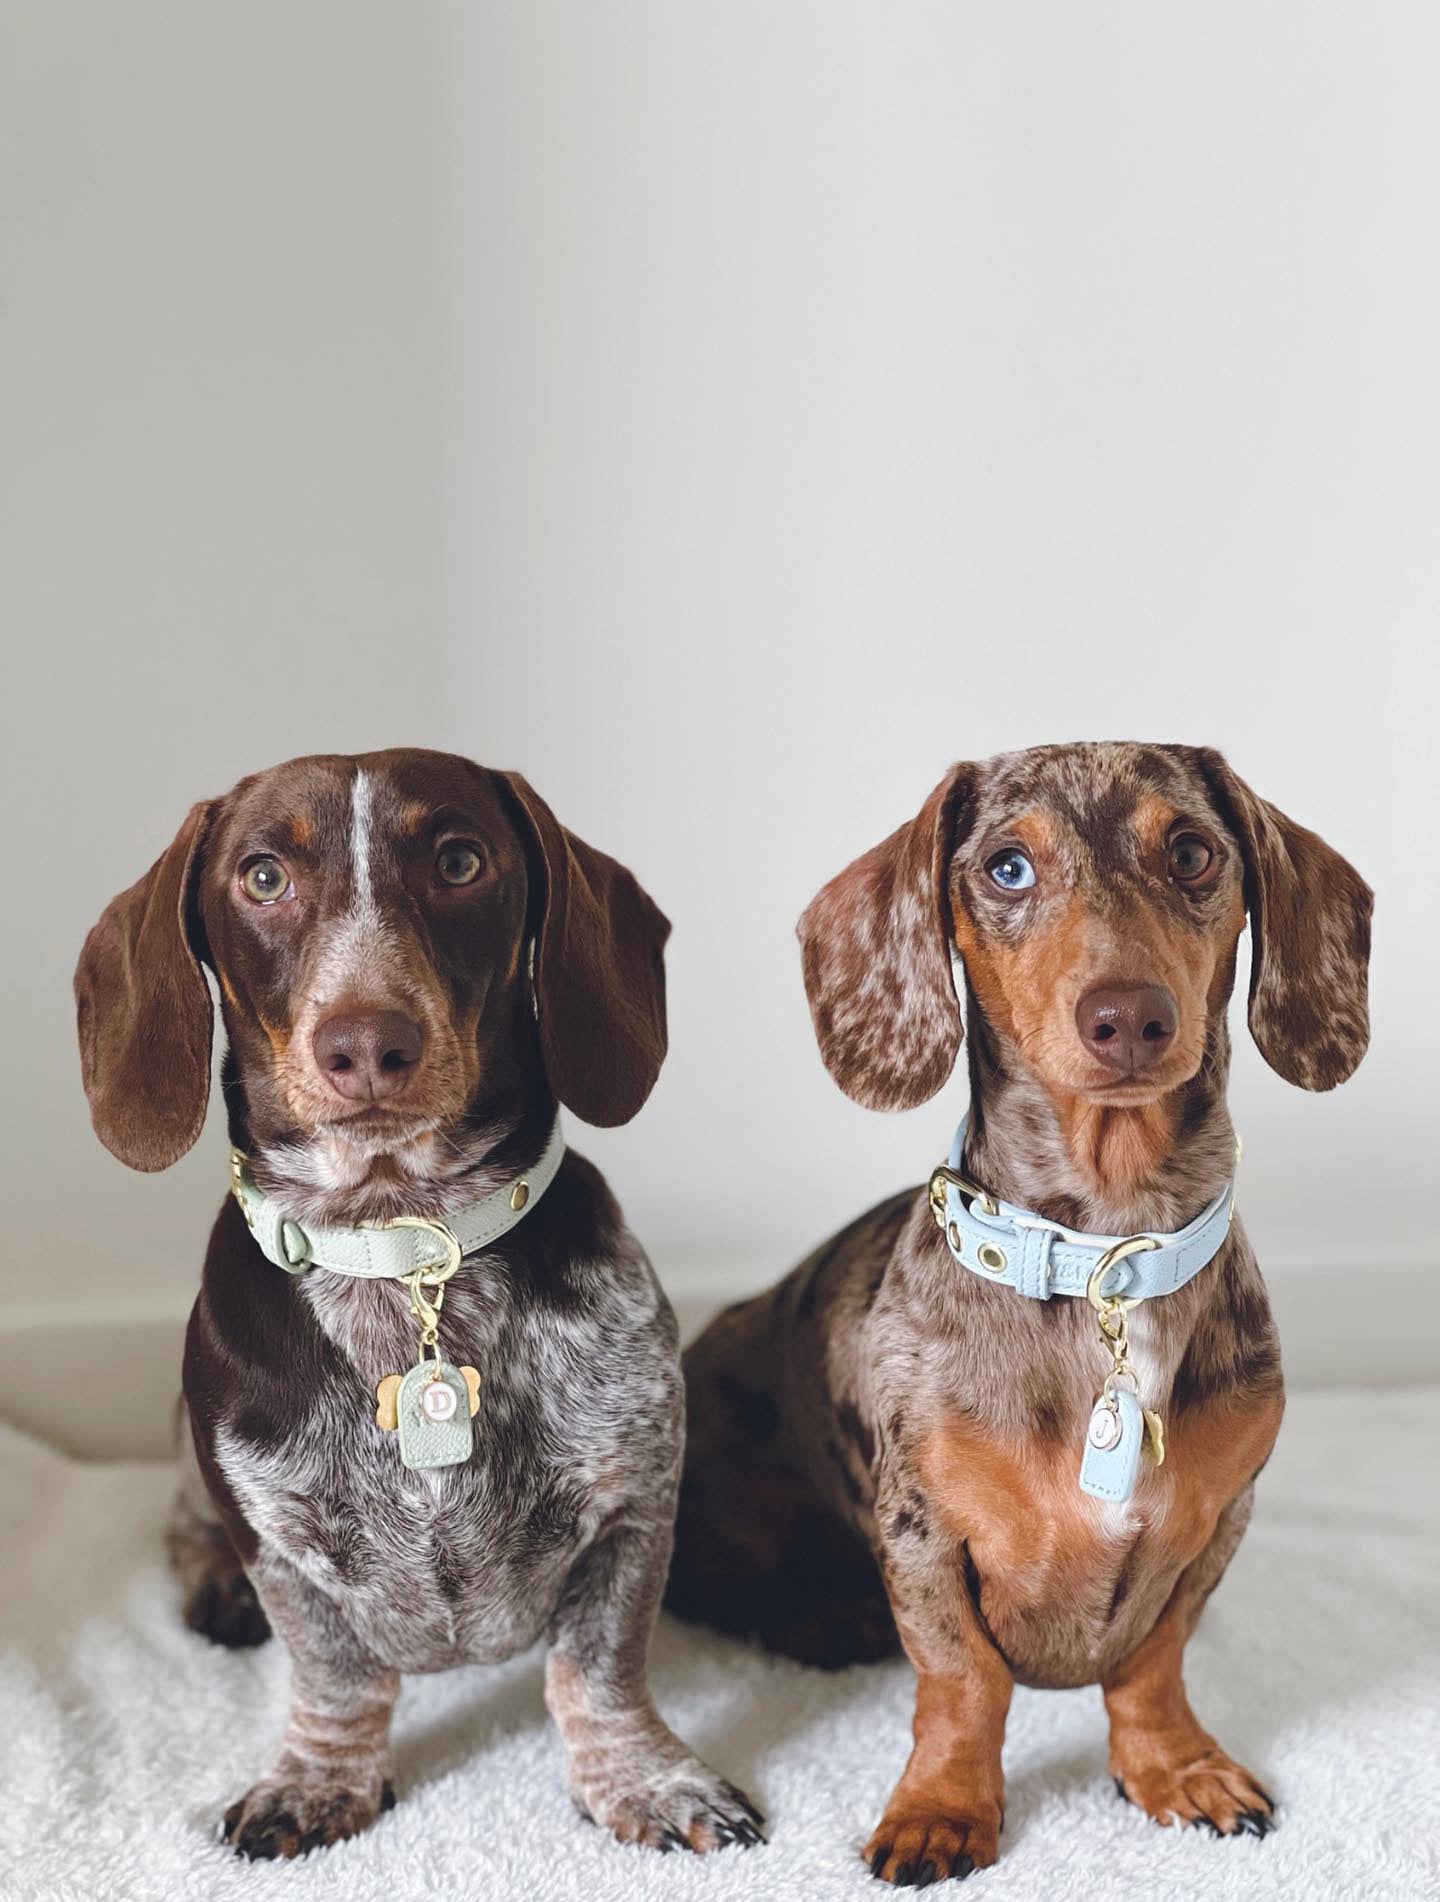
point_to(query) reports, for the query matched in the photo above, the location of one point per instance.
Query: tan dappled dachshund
(890, 1446)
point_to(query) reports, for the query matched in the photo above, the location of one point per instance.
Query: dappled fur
(884, 1449)
(296, 1512)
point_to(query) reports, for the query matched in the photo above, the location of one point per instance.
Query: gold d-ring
(1133, 1245)
(454, 1253)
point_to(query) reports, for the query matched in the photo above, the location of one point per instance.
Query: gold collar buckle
(945, 1177)
(239, 1162)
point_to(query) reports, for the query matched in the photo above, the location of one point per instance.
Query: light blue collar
(1039, 1258)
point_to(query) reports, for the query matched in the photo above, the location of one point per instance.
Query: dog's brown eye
(457, 864)
(264, 880)
(1191, 857)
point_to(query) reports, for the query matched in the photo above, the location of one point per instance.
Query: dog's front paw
(684, 1806)
(285, 1816)
(923, 1841)
(1199, 1785)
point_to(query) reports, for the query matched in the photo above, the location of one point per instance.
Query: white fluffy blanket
(124, 1736)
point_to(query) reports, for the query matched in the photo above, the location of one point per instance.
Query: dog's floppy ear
(144, 1011)
(1310, 938)
(599, 968)
(875, 943)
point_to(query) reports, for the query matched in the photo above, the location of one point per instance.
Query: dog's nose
(1130, 1028)
(365, 1055)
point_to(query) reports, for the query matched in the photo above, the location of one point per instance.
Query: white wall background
(729, 414)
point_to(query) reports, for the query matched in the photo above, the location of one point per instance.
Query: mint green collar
(397, 1248)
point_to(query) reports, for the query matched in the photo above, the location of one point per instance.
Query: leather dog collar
(397, 1248)
(1038, 1257)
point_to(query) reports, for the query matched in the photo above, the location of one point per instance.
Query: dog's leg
(218, 1599)
(943, 1818)
(330, 1779)
(628, 1770)
(1159, 1755)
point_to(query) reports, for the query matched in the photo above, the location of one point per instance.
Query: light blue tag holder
(1110, 1472)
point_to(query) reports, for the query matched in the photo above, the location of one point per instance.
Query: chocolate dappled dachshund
(928, 1431)
(414, 962)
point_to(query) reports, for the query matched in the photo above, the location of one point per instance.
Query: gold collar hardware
(1110, 1310)
(426, 1311)
(944, 1176)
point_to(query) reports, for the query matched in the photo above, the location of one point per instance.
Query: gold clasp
(1111, 1309)
(427, 1310)
(427, 1313)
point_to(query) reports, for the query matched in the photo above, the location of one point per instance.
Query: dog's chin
(1138, 1091)
(1107, 1090)
(377, 1127)
(1125, 1092)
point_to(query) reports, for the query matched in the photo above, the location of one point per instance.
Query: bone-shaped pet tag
(432, 1407)
(1114, 1437)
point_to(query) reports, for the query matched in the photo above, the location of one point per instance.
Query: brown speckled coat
(413, 888)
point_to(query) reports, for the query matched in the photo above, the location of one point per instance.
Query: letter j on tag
(1114, 1437)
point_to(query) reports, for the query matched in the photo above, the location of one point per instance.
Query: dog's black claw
(879, 1859)
(904, 1876)
(1208, 1822)
(1257, 1823)
(735, 1829)
(963, 1866)
(1120, 1790)
(670, 1841)
(1265, 1795)
(925, 1875)
(387, 1795)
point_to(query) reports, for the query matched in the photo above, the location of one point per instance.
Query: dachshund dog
(414, 962)
(887, 1447)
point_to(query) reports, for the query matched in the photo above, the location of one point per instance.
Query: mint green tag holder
(426, 1442)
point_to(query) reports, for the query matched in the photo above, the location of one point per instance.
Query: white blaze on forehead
(362, 819)
(356, 954)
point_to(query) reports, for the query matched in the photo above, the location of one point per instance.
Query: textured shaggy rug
(123, 1735)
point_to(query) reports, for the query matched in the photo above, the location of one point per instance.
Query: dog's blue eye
(1012, 871)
